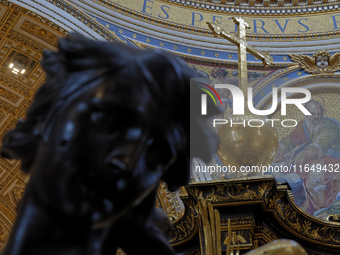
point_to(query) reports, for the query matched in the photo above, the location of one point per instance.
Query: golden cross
(243, 48)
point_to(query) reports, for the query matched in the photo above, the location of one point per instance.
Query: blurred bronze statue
(110, 123)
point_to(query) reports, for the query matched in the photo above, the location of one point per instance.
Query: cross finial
(243, 48)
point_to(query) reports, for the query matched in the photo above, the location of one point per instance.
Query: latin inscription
(274, 25)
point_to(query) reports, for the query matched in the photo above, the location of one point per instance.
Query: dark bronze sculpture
(108, 125)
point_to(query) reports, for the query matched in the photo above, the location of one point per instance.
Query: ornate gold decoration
(268, 236)
(210, 234)
(9, 95)
(6, 3)
(275, 200)
(183, 229)
(236, 238)
(47, 22)
(231, 192)
(333, 217)
(39, 32)
(27, 42)
(301, 223)
(186, 227)
(240, 220)
(240, 234)
(169, 202)
(321, 62)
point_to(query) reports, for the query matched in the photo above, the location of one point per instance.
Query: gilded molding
(232, 192)
(86, 19)
(275, 200)
(267, 235)
(9, 95)
(187, 226)
(47, 22)
(309, 228)
(206, 32)
(333, 217)
(5, 2)
(39, 32)
(27, 42)
(169, 202)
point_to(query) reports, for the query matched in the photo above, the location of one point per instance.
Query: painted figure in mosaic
(110, 123)
(315, 142)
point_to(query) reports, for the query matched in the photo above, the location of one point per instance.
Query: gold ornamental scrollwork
(169, 202)
(301, 224)
(210, 232)
(46, 22)
(227, 192)
(321, 62)
(333, 217)
(186, 227)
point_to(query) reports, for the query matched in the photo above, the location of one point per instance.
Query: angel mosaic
(321, 62)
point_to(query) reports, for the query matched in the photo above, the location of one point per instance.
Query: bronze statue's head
(108, 125)
(115, 117)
